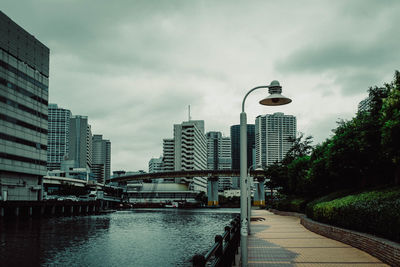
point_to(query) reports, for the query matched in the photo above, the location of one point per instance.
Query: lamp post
(255, 168)
(274, 99)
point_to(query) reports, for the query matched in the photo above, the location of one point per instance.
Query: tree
(299, 148)
(390, 130)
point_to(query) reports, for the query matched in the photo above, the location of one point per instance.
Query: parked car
(71, 198)
(50, 197)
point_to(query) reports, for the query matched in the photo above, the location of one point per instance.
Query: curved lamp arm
(255, 88)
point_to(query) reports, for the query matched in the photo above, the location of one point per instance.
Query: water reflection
(127, 238)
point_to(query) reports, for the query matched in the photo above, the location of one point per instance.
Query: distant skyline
(133, 67)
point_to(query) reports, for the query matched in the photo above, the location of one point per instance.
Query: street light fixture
(255, 168)
(274, 99)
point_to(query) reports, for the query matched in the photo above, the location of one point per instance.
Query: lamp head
(275, 98)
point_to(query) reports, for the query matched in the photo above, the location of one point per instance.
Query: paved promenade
(282, 241)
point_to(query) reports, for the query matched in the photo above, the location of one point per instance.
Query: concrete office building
(80, 142)
(101, 158)
(156, 165)
(219, 157)
(58, 136)
(190, 151)
(272, 133)
(24, 85)
(235, 150)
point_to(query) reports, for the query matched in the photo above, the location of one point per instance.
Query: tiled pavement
(282, 241)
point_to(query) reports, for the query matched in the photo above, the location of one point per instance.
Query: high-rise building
(219, 156)
(218, 151)
(235, 152)
(80, 142)
(365, 105)
(58, 136)
(24, 85)
(168, 154)
(156, 165)
(101, 158)
(272, 134)
(190, 146)
(190, 151)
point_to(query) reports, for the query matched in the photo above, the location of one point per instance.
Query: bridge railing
(223, 252)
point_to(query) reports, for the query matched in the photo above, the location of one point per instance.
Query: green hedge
(376, 212)
(295, 204)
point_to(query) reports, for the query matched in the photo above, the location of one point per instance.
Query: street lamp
(274, 99)
(255, 168)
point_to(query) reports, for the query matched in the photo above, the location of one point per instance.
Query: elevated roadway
(177, 174)
(212, 177)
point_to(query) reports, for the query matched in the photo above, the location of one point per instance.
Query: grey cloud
(134, 66)
(322, 129)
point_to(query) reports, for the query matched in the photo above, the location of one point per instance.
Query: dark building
(235, 148)
(24, 82)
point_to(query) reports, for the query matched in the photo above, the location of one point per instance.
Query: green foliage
(298, 180)
(363, 152)
(390, 118)
(285, 203)
(374, 211)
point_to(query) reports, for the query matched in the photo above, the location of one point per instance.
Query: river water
(144, 237)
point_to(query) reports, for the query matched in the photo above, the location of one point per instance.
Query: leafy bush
(291, 204)
(376, 212)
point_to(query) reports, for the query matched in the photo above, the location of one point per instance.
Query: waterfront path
(282, 241)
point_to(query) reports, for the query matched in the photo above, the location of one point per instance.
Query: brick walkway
(282, 241)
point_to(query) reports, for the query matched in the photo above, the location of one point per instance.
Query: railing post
(229, 253)
(220, 251)
(228, 237)
(199, 261)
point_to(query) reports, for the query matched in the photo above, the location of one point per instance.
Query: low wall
(383, 249)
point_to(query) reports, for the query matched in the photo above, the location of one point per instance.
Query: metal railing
(223, 252)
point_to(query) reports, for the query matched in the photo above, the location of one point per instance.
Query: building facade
(272, 132)
(58, 136)
(156, 165)
(80, 142)
(168, 154)
(24, 85)
(219, 156)
(101, 158)
(190, 146)
(190, 151)
(235, 149)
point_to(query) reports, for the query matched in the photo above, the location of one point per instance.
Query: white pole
(249, 203)
(243, 188)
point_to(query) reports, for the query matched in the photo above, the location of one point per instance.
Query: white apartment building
(168, 154)
(190, 151)
(156, 165)
(271, 133)
(58, 136)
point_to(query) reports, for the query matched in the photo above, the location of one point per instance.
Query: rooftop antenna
(189, 113)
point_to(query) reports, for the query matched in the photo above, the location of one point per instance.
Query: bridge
(212, 178)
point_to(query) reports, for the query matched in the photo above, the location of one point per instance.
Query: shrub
(296, 204)
(376, 212)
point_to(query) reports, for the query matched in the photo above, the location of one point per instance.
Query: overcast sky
(133, 67)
